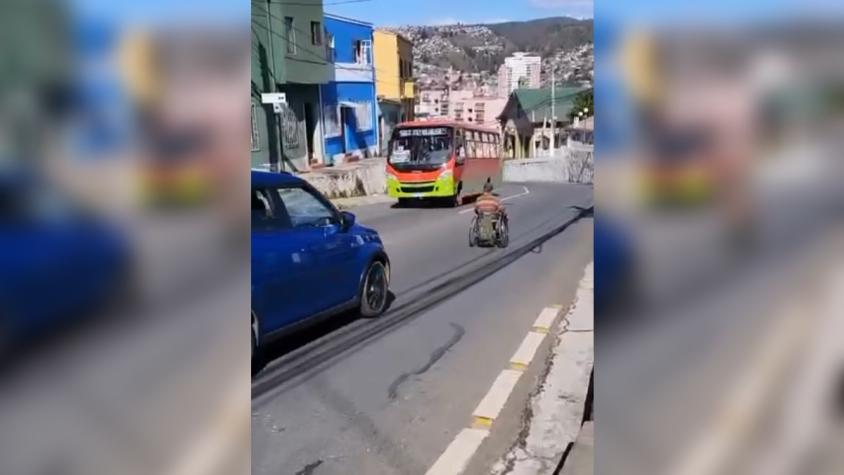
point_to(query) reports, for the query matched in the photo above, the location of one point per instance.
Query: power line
(299, 48)
(315, 4)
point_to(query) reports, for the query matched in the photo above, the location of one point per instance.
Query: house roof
(390, 31)
(346, 19)
(538, 101)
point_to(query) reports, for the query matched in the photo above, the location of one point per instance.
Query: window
(305, 209)
(363, 116)
(330, 52)
(263, 215)
(316, 33)
(363, 51)
(290, 34)
(255, 139)
(401, 68)
(331, 118)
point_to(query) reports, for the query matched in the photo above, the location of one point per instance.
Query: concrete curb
(354, 202)
(556, 412)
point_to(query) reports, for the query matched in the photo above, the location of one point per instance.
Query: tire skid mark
(306, 362)
(438, 353)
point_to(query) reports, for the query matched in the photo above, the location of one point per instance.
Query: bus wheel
(403, 202)
(457, 199)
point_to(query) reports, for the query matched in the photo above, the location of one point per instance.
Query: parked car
(58, 261)
(309, 260)
(615, 268)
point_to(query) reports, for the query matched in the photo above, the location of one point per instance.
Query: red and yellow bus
(442, 159)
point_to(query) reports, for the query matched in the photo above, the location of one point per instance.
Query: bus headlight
(445, 174)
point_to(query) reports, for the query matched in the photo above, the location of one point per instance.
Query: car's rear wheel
(376, 285)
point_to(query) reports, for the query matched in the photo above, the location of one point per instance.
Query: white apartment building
(516, 67)
(462, 105)
(431, 103)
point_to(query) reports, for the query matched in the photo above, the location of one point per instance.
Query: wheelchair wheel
(503, 234)
(473, 232)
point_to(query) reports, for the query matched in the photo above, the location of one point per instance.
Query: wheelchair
(489, 229)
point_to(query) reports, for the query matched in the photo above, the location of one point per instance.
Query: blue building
(349, 107)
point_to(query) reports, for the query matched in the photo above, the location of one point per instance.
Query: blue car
(58, 261)
(309, 261)
(615, 267)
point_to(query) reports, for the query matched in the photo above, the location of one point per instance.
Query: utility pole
(448, 90)
(553, 115)
(277, 118)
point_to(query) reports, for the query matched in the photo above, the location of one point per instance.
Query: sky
(432, 12)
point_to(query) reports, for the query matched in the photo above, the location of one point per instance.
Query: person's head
(487, 187)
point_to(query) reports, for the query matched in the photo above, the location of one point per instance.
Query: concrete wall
(573, 166)
(364, 178)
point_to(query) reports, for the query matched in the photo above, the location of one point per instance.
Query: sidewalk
(580, 460)
(366, 177)
(554, 428)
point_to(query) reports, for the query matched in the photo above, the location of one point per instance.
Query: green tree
(584, 100)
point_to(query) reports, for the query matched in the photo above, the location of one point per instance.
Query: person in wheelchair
(489, 203)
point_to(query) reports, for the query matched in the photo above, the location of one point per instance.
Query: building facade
(533, 124)
(430, 102)
(289, 55)
(521, 70)
(348, 101)
(394, 70)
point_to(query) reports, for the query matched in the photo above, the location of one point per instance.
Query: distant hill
(483, 47)
(546, 35)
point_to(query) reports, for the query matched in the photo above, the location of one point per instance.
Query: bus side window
(460, 147)
(488, 145)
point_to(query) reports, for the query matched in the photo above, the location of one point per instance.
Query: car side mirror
(347, 220)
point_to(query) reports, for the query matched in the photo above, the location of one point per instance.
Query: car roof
(265, 178)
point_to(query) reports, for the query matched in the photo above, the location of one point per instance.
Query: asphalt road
(387, 395)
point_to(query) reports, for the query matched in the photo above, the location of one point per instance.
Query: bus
(440, 159)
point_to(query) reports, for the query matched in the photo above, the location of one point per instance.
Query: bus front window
(420, 148)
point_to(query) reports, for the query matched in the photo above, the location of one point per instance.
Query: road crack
(309, 468)
(438, 353)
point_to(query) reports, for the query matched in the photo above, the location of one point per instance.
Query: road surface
(387, 396)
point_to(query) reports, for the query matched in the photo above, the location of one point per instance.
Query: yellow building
(394, 70)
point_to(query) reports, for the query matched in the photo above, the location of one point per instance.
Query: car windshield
(420, 147)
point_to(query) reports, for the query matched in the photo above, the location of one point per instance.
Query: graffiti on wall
(289, 127)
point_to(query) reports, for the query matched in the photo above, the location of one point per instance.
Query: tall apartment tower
(517, 67)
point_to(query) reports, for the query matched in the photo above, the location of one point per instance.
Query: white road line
(491, 405)
(546, 319)
(527, 350)
(511, 197)
(526, 192)
(455, 458)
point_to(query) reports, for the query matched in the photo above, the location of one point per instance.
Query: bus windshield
(420, 148)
